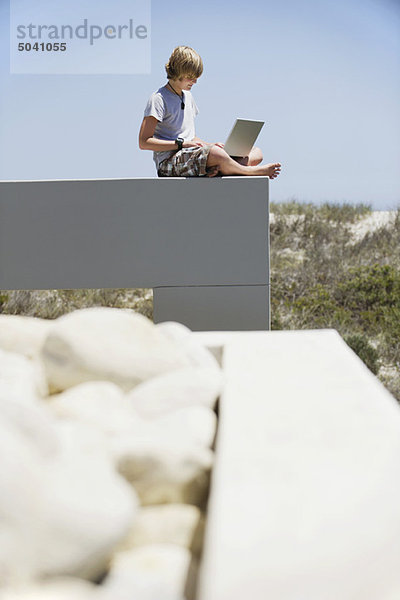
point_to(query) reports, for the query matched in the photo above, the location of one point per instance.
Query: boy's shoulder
(157, 99)
(164, 101)
(160, 96)
(161, 92)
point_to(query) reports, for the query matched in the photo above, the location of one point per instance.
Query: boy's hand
(219, 144)
(191, 144)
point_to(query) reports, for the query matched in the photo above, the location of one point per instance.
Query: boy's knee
(217, 152)
(256, 155)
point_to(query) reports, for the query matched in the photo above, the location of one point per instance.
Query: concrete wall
(160, 233)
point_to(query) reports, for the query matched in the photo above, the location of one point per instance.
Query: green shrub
(319, 308)
(371, 287)
(3, 300)
(372, 294)
(368, 354)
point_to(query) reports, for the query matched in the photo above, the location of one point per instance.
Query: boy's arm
(147, 141)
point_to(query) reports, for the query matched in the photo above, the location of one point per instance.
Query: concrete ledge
(134, 233)
(148, 233)
(305, 495)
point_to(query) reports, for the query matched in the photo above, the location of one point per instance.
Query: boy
(168, 129)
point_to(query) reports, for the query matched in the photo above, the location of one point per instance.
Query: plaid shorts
(188, 162)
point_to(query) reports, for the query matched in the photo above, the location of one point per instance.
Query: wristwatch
(179, 142)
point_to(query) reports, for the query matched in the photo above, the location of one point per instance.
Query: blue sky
(324, 75)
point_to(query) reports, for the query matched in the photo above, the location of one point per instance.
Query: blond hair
(184, 62)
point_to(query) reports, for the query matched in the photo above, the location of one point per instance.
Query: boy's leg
(255, 157)
(217, 157)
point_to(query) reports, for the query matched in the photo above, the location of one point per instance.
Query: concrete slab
(305, 496)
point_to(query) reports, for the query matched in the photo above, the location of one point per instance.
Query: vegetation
(50, 304)
(325, 272)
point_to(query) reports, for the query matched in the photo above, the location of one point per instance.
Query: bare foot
(272, 170)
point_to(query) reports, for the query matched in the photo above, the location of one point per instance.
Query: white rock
(174, 330)
(66, 588)
(192, 424)
(164, 471)
(83, 438)
(99, 427)
(21, 379)
(107, 344)
(198, 354)
(21, 484)
(88, 509)
(23, 335)
(34, 424)
(153, 572)
(100, 404)
(181, 388)
(180, 524)
(62, 512)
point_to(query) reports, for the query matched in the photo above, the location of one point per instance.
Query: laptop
(242, 137)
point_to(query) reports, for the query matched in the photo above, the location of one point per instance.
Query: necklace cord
(181, 97)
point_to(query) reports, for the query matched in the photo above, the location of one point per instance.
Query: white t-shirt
(174, 121)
